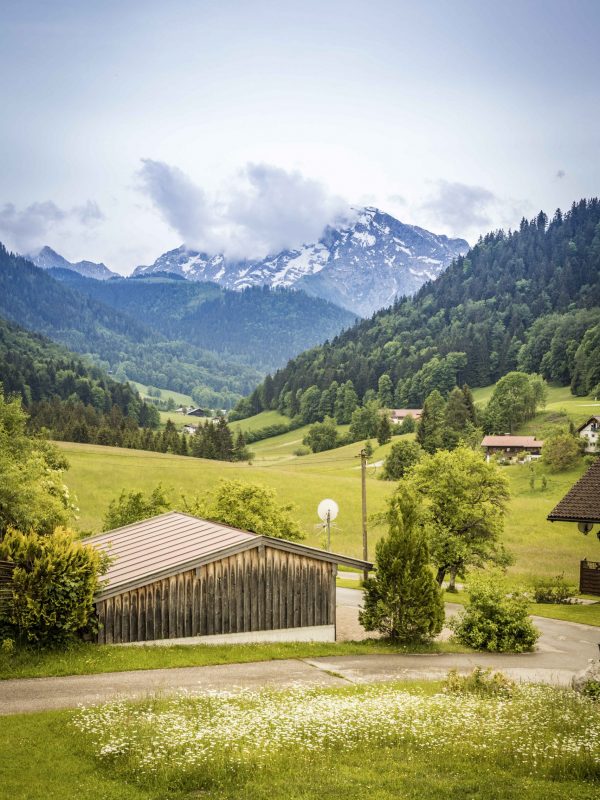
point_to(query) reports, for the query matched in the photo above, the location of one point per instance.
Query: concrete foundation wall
(313, 633)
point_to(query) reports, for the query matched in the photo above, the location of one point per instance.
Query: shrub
(481, 682)
(561, 451)
(302, 451)
(495, 619)
(403, 600)
(134, 506)
(249, 506)
(402, 456)
(322, 436)
(53, 586)
(553, 590)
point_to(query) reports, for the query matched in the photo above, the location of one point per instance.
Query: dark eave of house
(582, 501)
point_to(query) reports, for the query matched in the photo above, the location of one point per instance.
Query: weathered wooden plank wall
(259, 589)
(589, 577)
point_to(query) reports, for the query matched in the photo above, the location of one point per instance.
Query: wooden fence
(589, 577)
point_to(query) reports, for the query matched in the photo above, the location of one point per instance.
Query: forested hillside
(261, 326)
(116, 341)
(62, 393)
(527, 299)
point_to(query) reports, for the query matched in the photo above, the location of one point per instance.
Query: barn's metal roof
(582, 501)
(511, 441)
(174, 542)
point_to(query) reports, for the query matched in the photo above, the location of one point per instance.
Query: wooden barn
(179, 578)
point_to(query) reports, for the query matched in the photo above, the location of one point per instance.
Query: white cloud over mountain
(263, 210)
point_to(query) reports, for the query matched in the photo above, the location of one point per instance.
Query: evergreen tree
(384, 428)
(385, 391)
(403, 601)
(456, 418)
(430, 429)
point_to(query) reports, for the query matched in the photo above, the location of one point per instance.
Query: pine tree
(430, 430)
(385, 391)
(403, 600)
(384, 428)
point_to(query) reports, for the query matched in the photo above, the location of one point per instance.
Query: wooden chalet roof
(582, 501)
(511, 441)
(170, 543)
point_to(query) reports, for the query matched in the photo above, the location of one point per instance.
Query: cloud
(28, 228)
(460, 206)
(264, 210)
(397, 199)
(560, 174)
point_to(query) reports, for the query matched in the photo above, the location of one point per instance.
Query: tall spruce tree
(430, 430)
(403, 600)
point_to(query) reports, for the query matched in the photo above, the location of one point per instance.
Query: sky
(245, 126)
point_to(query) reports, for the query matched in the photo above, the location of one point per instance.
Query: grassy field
(98, 474)
(165, 394)
(261, 420)
(406, 741)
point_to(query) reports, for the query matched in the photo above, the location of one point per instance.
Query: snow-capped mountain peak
(362, 264)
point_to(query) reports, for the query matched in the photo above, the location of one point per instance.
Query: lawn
(262, 420)
(88, 659)
(409, 741)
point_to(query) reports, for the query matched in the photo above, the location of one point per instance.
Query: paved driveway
(564, 648)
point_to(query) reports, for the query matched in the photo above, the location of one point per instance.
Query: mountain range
(361, 265)
(47, 258)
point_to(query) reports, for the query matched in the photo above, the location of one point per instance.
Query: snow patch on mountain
(362, 264)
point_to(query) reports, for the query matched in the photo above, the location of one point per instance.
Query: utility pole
(328, 523)
(363, 475)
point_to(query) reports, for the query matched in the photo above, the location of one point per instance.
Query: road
(563, 649)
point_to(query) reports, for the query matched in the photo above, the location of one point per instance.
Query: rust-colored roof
(174, 542)
(511, 441)
(582, 501)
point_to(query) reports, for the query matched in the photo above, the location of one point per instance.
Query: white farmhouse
(590, 431)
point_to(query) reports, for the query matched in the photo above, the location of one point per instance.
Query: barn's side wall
(257, 590)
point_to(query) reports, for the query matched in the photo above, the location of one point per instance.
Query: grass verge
(89, 659)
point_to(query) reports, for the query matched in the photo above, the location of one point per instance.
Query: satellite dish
(327, 508)
(584, 527)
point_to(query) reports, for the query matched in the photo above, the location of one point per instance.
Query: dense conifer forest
(116, 341)
(527, 299)
(70, 398)
(260, 326)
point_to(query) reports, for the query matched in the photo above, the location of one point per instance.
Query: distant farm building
(198, 412)
(398, 415)
(590, 431)
(511, 448)
(176, 577)
(190, 429)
